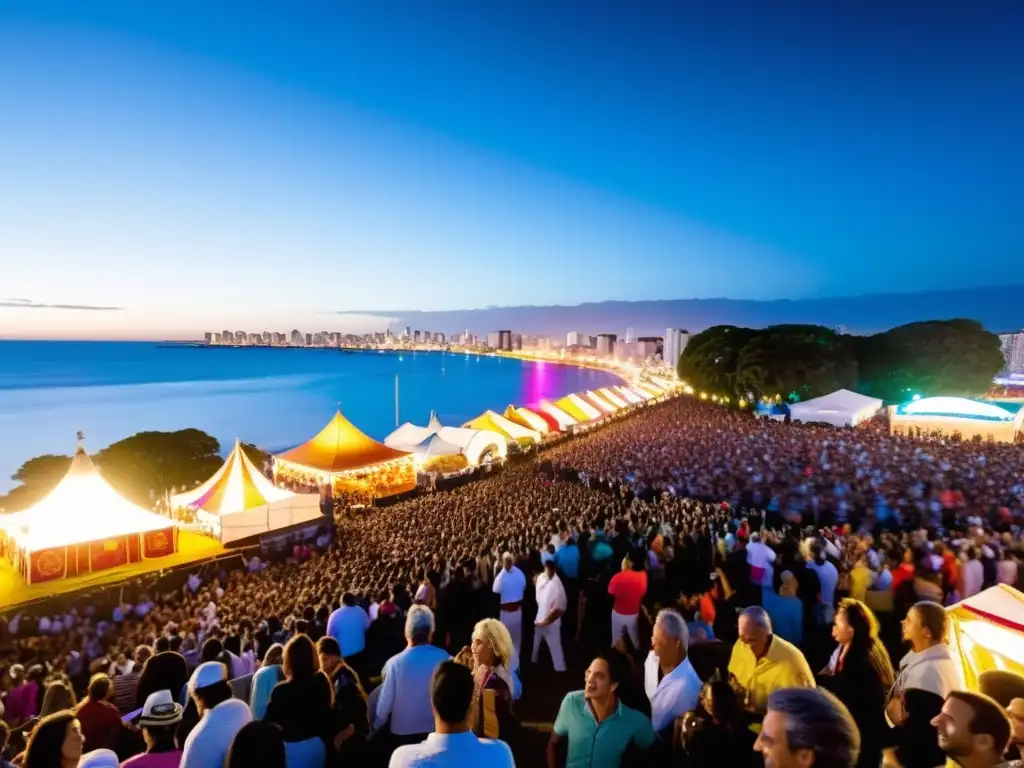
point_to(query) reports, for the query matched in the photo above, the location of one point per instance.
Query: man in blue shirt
(348, 626)
(597, 726)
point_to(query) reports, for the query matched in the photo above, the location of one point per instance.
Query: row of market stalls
(491, 436)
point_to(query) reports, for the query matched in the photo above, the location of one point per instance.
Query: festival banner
(158, 543)
(47, 565)
(109, 553)
(134, 553)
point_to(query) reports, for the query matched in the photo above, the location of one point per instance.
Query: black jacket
(303, 709)
(165, 671)
(859, 686)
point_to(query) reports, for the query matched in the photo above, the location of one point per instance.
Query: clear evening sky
(170, 167)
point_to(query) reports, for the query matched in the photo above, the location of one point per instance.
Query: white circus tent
(475, 444)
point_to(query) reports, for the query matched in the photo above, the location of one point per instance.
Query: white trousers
(552, 635)
(513, 621)
(630, 624)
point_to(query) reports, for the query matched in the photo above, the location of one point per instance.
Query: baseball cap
(206, 674)
(160, 709)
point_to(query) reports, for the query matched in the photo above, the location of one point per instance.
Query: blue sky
(199, 164)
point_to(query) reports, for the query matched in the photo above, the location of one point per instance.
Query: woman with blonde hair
(492, 658)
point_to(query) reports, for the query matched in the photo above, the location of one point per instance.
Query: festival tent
(239, 502)
(476, 444)
(629, 395)
(987, 632)
(82, 526)
(553, 424)
(339, 447)
(434, 447)
(599, 402)
(666, 384)
(565, 421)
(570, 407)
(591, 411)
(612, 397)
(346, 457)
(498, 423)
(642, 393)
(409, 435)
(841, 408)
(527, 418)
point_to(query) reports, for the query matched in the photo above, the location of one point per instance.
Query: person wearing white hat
(221, 717)
(160, 715)
(99, 758)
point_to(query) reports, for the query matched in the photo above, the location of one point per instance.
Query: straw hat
(160, 709)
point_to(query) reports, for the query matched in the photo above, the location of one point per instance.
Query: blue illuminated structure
(961, 408)
(986, 419)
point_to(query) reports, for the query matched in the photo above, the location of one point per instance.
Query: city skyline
(177, 170)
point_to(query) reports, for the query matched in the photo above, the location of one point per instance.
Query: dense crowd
(752, 581)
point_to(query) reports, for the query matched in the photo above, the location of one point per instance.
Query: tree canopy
(141, 467)
(798, 362)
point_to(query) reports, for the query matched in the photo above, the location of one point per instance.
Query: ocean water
(275, 398)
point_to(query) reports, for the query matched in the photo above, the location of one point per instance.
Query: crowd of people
(736, 590)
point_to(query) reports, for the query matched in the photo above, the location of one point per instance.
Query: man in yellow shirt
(762, 662)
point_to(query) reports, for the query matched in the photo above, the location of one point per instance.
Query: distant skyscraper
(309, 339)
(606, 343)
(630, 335)
(572, 339)
(240, 337)
(1012, 347)
(517, 341)
(494, 340)
(675, 343)
(415, 337)
(208, 337)
(408, 332)
(505, 341)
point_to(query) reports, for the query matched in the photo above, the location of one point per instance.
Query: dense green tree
(708, 362)
(795, 361)
(938, 357)
(152, 463)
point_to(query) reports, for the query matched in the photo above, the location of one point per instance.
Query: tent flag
(340, 447)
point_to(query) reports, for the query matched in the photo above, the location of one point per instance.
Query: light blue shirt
(828, 576)
(453, 750)
(405, 692)
(600, 745)
(263, 682)
(348, 626)
(208, 743)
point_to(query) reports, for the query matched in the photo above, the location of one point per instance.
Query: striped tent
(235, 487)
(565, 420)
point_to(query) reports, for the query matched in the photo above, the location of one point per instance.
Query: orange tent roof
(340, 447)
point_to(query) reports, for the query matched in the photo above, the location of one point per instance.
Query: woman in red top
(628, 588)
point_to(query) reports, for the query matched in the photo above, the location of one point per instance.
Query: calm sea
(275, 398)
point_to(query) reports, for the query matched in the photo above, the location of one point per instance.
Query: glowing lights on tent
(82, 508)
(957, 407)
(565, 420)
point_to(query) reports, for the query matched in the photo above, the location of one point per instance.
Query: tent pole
(396, 401)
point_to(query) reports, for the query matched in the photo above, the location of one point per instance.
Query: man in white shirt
(453, 743)
(405, 693)
(510, 585)
(670, 680)
(551, 605)
(760, 557)
(221, 717)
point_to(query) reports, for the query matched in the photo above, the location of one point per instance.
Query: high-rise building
(494, 340)
(517, 341)
(309, 339)
(209, 337)
(675, 342)
(439, 338)
(630, 335)
(606, 343)
(408, 332)
(505, 341)
(296, 338)
(415, 337)
(253, 339)
(1012, 347)
(240, 338)
(268, 338)
(573, 339)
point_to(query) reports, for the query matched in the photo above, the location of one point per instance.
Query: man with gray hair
(404, 696)
(763, 662)
(510, 586)
(671, 682)
(807, 727)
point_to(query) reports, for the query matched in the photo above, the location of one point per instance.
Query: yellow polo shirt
(784, 666)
